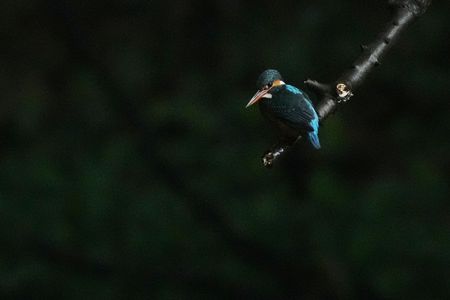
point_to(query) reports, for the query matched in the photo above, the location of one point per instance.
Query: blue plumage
(293, 89)
(314, 135)
(288, 108)
(291, 111)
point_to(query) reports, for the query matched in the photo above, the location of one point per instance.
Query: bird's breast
(279, 123)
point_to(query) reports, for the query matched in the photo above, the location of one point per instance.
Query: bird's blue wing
(294, 106)
(314, 134)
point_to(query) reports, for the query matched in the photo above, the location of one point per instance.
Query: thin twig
(340, 91)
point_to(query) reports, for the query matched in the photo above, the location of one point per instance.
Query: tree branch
(340, 91)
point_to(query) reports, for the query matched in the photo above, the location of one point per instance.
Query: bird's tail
(314, 139)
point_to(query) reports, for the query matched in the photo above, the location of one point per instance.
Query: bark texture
(332, 94)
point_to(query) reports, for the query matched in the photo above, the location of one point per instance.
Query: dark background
(129, 168)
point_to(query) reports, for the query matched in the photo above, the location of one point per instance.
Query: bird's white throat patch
(268, 95)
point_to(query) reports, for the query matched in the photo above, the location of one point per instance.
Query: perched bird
(286, 107)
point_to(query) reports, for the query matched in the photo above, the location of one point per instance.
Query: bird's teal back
(293, 107)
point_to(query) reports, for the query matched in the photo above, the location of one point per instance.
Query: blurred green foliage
(129, 168)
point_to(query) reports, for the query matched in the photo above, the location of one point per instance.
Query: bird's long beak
(259, 94)
(262, 93)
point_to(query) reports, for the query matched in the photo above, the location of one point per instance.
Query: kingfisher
(287, 108)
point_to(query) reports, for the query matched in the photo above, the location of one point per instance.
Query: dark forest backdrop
(129, 168)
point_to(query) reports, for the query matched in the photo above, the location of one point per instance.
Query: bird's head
(268, 80)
